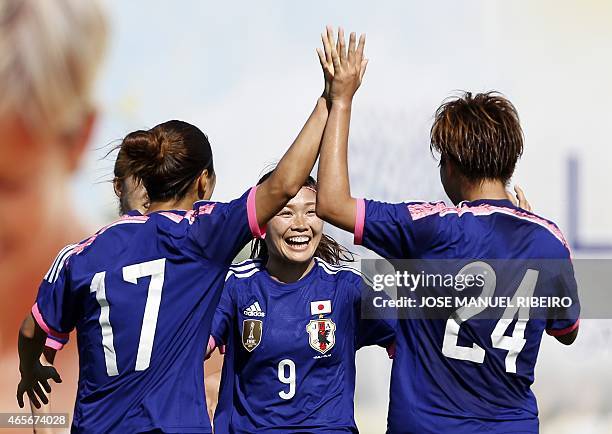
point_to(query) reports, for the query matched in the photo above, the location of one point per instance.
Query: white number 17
(131, 274)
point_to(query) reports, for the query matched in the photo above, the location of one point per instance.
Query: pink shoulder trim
(359, 221)
(256, 230)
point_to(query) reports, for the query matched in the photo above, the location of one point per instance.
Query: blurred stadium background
(247, 74)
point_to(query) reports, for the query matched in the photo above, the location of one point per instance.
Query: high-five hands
(343, 69)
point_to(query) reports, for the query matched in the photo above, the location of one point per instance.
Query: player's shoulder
(212, 207)
(59, 262)
(337, 272)
(205, 207)
(414, 208)
(116, 229)
(544, 232)
(553, 243)
(241, 271)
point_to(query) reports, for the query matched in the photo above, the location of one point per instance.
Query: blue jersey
(290, 361)
(468, 375)
(141, 293)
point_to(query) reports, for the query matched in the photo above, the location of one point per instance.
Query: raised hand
(328, 67)
(520, 200)
(32, 383)
(343, 67)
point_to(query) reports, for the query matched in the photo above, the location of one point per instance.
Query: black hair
(167, 159)
(328, 249)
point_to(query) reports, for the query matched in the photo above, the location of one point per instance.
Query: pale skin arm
(334, 201)
(297, 163)
(272, 195)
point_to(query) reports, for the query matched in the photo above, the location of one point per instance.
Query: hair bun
(167, 158)
(145, 153)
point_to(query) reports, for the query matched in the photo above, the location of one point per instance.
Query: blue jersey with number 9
(290, 361)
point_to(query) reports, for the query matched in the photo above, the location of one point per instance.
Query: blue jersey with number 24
(463, 374)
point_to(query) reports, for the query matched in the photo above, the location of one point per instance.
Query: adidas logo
(254, 310)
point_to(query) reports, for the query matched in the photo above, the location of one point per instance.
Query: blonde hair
(49, 53)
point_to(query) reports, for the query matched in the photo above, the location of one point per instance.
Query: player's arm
(334, 201)
(53, 315)
(224, 317)
(563, 323)
(568, 338)
(297, 163)
(34, 376)
(521, 201)
(47, 359)
(375, 325)
(212, 381)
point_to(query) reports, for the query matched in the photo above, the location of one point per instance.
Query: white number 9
(290, 380)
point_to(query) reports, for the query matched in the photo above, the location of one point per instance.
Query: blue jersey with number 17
(463, 374)
(141, 293)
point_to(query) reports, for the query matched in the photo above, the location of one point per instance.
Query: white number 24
(131, 274)
(513, 344)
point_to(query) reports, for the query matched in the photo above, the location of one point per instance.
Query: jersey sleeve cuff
(561, 332)
(52, 343)
(217, 342)
(359, 221)
(256, 230)
(43, 325)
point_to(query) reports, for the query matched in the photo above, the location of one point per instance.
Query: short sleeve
(385, 228)
(221, 230)
(565, 320)
(57, 309)
(375, 325)
(224, 315)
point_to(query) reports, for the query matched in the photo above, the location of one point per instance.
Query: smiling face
(293, 235)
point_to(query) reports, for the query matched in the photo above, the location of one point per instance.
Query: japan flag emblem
(320, 307)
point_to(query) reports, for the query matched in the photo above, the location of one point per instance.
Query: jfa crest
(321, 334)
(252, 329)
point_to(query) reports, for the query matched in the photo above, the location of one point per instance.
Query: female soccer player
(291, 320)
(142, 290)
(132, 196)
(130, 191)
(458, 375)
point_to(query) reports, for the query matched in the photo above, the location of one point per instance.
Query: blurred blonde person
(49, 53)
